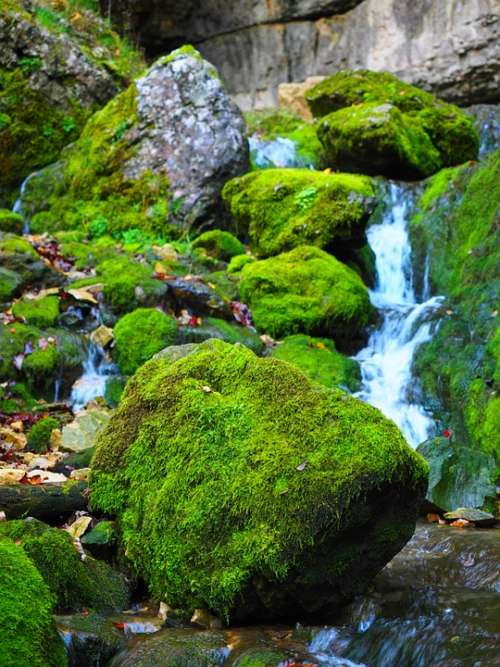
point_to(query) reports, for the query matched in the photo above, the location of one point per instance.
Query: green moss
(230, 332)
(113, 391)
(10, 282)
(39, 434)
(456, 229)
(306, 291)
(38, 127)
(238, 262)
(200, 464)
(219, 244)
(29, 635)
(75, 583)
(38, 312)
(139, 335)
(378, 139)
(127, 284)
(94, 194)
(427, 133)
(10, 222)
(271, 124)
(280, 209)
(319, 360)
(262, 658)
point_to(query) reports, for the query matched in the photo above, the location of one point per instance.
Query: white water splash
(18, 204)
(386, 362)
(97, 369)
(321, 647)
(279, 152)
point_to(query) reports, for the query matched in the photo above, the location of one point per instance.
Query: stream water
(97, 369)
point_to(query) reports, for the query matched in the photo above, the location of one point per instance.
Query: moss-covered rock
(39, 434)
(319, 360)
(112, 180)
(268, 125)
(19, 256)
(10, 283)
(456, 229)
(75, 583)
(306, 291)
(242, 487)
(41, 312)
(59, 63)
(139, 335)
(219, 244)
(409, 132)
(230, 332)
(238, 262)
(10, 222)
(29, 634)
(280, 209)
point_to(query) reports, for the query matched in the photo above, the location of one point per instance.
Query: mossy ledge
(241, 486)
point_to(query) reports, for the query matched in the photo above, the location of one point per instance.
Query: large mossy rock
(29, 635)
(155, 158)
(240, 486)
(76, 584)
(280, 209)
(456, 229)
(306, 291)
(59, 62)
(374, 123)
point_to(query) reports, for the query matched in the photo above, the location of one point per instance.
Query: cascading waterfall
(18, 204)
(97, 369)
(386, 362)
(279, 152)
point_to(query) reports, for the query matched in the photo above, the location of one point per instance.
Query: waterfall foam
(97, 369)
(386, 361)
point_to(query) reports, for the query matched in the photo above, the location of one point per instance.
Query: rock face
(155, 158)
(57, 65)
(242, 487)
(450, 48)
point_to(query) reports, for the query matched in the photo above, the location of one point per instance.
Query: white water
(386, 362)
(279, 152)
(97, 369)
(18, 204)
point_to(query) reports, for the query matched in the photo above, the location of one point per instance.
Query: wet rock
(231, 332)
(50, 502)
(90, 639)
(81, 433)
(195, 295)
(204, 619)
(102, 336)
(472, 515)
(100, 540)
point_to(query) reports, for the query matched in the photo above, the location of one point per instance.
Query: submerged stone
(280, 209)
(242, 487)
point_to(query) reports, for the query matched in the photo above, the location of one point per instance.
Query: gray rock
(471, 514)
(80, 434)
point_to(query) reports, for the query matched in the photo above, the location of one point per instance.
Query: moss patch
(280, 209)
(29, 635)
(319, 360)
(219, 245)
(39, 434)
(306, 291)
(139, 335)
(10, 222)
(38, 312)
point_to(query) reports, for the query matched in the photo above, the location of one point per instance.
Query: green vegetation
(238, 262)
(374, 112)
(280, 209)
(203, 464)
(38, 312)
(319, 360)
(230, 332)
(270, 124)
(460, 370)
(29, 635)
(306, 291)
(219, 245)
(10, 222)
(74, 583)
(139, 335)
(10, 282)
(39, 434)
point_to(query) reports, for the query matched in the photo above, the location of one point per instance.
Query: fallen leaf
(302, 466)
(79, 527)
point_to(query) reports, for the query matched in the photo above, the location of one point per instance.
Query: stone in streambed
(471, 514)
(264, 492)
(81, 433)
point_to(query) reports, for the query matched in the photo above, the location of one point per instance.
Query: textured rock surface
(450, 48)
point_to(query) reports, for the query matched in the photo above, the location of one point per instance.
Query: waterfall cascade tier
(97, 370)
(386, 361)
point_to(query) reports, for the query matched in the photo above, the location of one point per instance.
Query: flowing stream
(97, 369)
(405, 323)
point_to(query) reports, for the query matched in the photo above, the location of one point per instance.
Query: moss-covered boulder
(139, 335)
(456, 229)
(219, 245)
(319, 360)
(280, 209)
(279, 138)
(75, 583)
(10, 222)
(59, 62)
(408, 132)
(242, 487)
(40, 433)
(10, 283)
(18, 256)
(230, 332)
(41, 312)
(306, 291)
(155, 158)
(29, 635)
